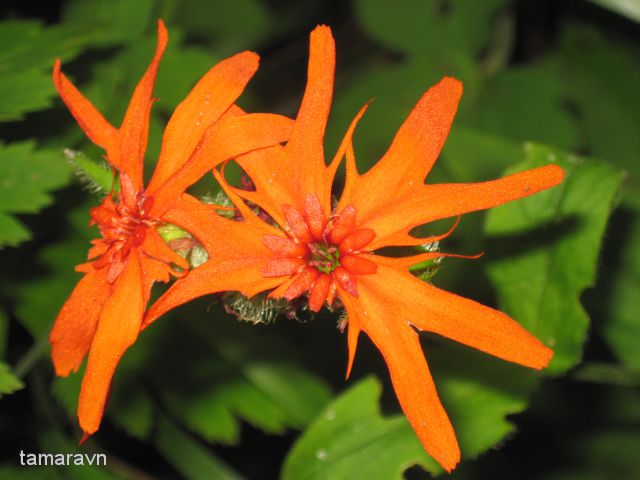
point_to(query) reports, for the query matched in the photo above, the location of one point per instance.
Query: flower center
(123, 224)
(322, 256)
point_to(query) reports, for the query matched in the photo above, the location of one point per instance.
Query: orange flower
(326, 252)
(104, 313)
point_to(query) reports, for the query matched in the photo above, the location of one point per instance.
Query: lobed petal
(77, 321)
(285, 175)
(433, 202)
(134, 130)
(383, 322)
(228, 138)
(212, 96)
(117, 330)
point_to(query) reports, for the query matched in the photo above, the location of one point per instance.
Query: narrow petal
(432, 202)
(411, 155)
(117, 330)
(286, 175)
(398, 342)
(460, 319)
(206, 103)
(319, 292)
(135, 126)
(237, 256)
(95, 126)
(228, 138)
(76, 324)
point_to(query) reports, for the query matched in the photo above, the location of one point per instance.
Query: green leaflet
(26, 61)
(28, 175)
(543, 250)
(351, 439)
(9, 383)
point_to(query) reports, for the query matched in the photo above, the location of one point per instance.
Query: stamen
(357, 240)
(297, 224)
(342, 225)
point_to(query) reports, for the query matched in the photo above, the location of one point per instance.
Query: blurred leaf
(627, 8)
(231, 378)
(603, 75)
(549, 244)
(28, 175)
(26, 60)
(192, 460)
(351, 439)
(527, 103)
(39, 299)
(479, 392)
(9, 383)
(227, 26)
(621, 322)
(118, 21)
(436, 28)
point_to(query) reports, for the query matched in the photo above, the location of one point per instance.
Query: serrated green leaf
(9, 383)
(478, 393)
(549, 244)
(28, 175)
(351, 439)
(26, 60)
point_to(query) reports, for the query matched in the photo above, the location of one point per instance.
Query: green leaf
(28, 175)
(231, 378)
(117, 21)
(477, 391)
(192, 460)
(621, 325)
(9, 383)
(545, 251)
(431, 27)
(527, 103)
(26, 60)
(351, 439)
(227, 26)
(39, 299)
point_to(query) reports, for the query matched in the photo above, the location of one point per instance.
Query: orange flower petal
(117, 330)
(411, 155)
(95, 126)
(76, 324)
(381, 320)
(135, 126)
(226, 139)
(285, 175)
(460, 319)
(319, 292)
(432, 202)
(206, 103)
(237, 256)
